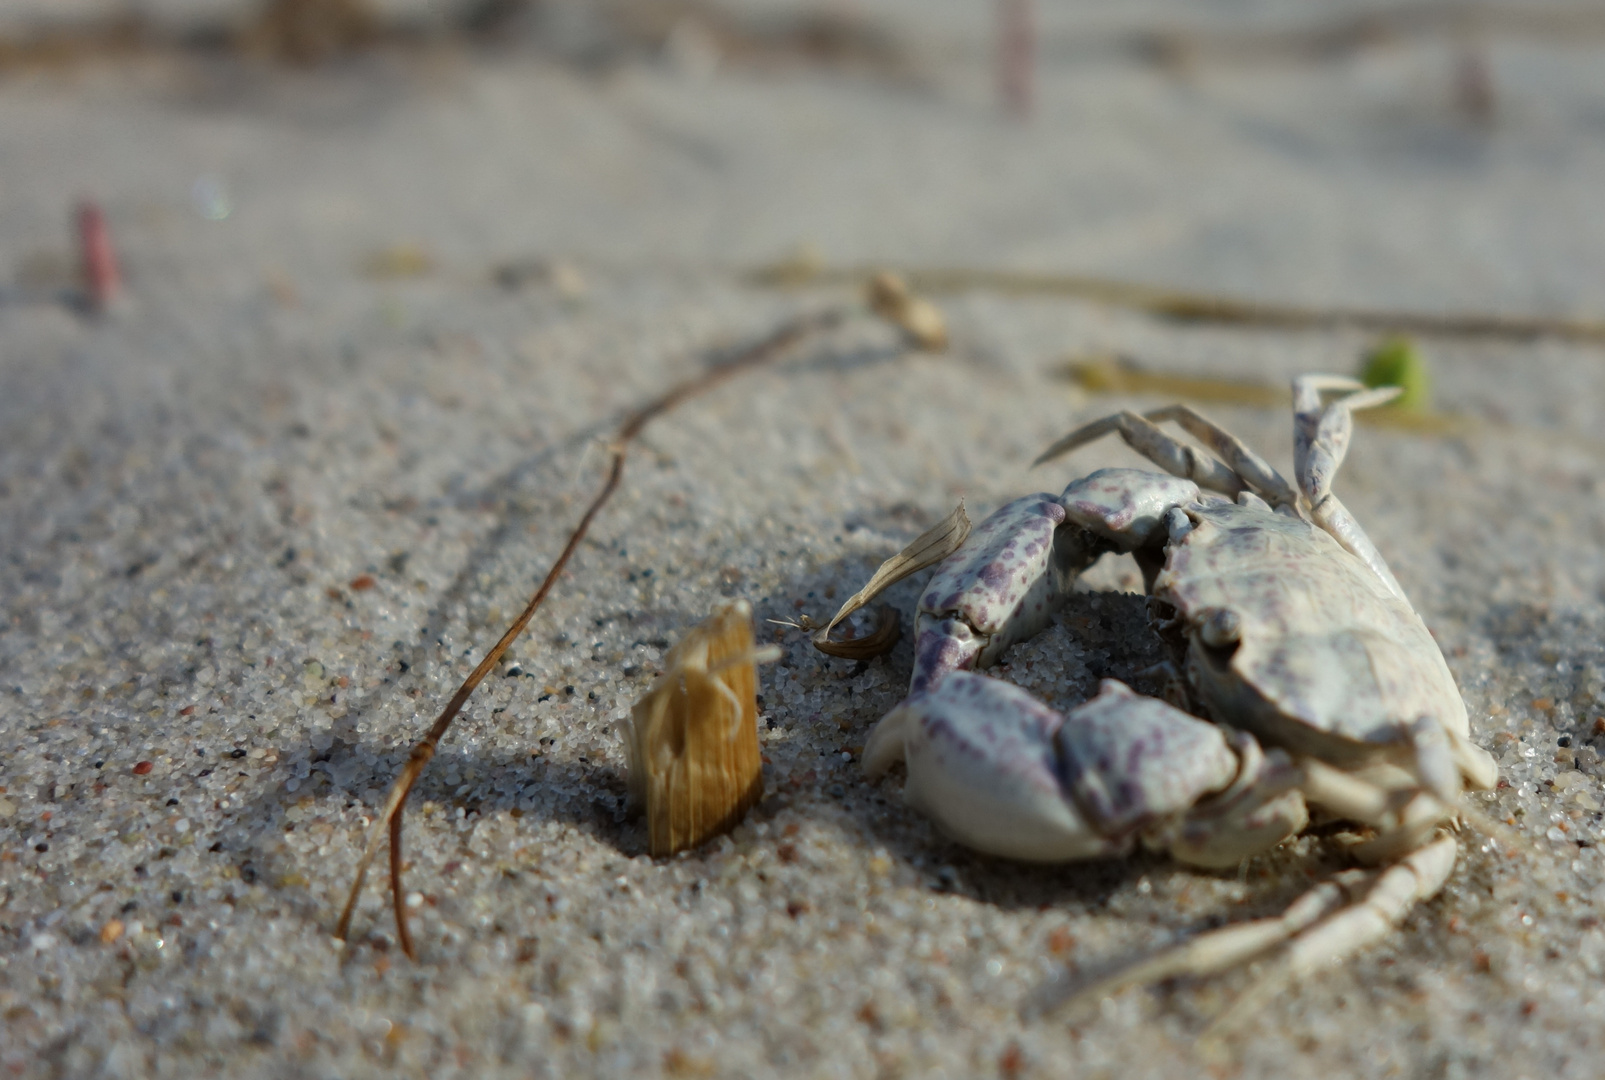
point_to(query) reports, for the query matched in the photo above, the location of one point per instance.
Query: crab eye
(1220, 628)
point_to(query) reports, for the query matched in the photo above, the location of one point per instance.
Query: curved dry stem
(927, 549)
(878, 642)
(756, 355)
(398, 899)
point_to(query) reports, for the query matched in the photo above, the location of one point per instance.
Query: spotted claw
(1005, 774)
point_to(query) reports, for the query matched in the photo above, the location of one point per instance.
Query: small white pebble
(415, 899)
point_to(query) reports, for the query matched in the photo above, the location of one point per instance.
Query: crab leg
(1258, 473)
(1015, 569)
(1206, 954)
(1320, 929)
(1477, 765)
(1415, 879)
(1404, 815)
(1321, 435)
(1002, 586)
(1145, 437)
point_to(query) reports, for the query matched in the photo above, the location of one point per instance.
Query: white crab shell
(1327, 661)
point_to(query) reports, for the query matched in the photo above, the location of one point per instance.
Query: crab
(1320, 682)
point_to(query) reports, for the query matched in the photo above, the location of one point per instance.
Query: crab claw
(1004, 774)
(1127, 507)
(1001, 587)
(984, 763)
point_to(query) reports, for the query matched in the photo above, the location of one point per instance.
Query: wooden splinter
(694, 764)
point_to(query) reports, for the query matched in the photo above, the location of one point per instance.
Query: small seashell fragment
(889, 296)
(692, 741)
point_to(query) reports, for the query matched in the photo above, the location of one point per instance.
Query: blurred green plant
(1397, 361)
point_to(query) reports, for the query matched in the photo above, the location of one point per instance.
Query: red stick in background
(1017, 49)
(103, 282)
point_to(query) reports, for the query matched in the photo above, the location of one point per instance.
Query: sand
(260, 521)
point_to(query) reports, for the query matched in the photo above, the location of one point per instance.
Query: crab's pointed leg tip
(1049, 454)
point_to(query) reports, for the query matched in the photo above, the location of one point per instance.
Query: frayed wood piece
(692, 742)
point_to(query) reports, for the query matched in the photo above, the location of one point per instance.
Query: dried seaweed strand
(1188, 306)
(756, 355)
(1114, 375)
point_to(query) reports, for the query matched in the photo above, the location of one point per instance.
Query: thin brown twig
(755, 355)
(398, 902)
(1186, 306)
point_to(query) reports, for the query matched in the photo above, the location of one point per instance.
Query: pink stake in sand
(103, 282)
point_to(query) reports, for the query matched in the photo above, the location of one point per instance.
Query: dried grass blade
(930, 547)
